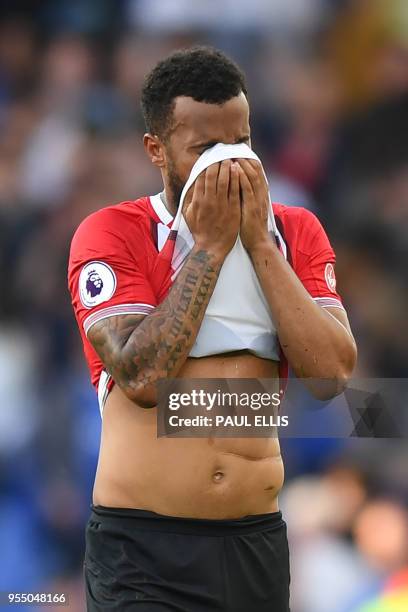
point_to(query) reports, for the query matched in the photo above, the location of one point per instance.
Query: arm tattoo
(139, 350)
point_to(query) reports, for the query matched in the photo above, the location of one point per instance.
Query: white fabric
(103, 390)
(238, 315)
(160, 209)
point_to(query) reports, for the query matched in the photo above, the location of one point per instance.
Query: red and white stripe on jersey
(111, 311)
(328, 302)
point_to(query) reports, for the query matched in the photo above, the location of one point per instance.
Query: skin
(215, 477)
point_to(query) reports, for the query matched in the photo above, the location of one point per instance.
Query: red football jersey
(120, 262)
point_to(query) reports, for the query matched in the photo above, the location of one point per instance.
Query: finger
(252, 165)
(224, 179)
(255, 164)
(211, 175)
(254, 172)
(199, 185)
(249, 170)
(233, 195)
(245, 184)
(188, 198)
(195, 192)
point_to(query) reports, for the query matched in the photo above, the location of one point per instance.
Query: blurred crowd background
(328, 82)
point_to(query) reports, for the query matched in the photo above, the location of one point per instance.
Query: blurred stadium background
(328, 84)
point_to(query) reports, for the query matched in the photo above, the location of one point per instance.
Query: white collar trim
(160, 209)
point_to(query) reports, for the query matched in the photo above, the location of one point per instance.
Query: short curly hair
(202, 73)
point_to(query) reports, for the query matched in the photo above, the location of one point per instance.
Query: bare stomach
(190, 477)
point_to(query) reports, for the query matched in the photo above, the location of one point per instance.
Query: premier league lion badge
(94, 284)
(97, 283)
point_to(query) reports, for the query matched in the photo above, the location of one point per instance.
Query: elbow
(348, 363)
(335, 382)
(145, 400)
(325, 389)
(144, 396)
(137, 383)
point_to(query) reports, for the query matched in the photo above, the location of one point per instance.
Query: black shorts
(146, 562)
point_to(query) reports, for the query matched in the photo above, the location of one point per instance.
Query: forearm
(138, 354)
(314, 343)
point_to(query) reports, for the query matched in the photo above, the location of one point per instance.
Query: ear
(155, 150)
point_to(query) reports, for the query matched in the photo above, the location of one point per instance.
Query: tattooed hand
(138, 351)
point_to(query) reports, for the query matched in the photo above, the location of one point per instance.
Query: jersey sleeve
(104, 278)
(315, 261)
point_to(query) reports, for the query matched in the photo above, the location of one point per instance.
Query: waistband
(135, 519)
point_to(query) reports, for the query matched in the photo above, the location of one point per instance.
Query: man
(178, 523)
